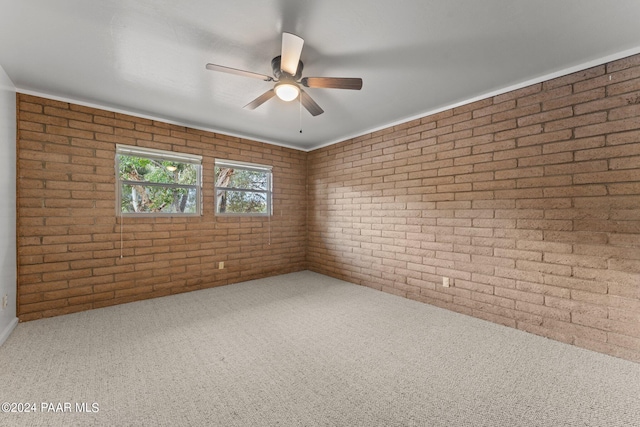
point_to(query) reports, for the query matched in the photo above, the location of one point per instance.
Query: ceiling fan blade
(229, 70)
(310, 104)
(260, 100)
(333, 82)
(291, 51)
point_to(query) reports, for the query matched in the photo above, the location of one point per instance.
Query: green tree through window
(153, 183)
(243, 189)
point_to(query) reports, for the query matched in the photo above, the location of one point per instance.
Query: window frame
(160, 155)
(252, 167)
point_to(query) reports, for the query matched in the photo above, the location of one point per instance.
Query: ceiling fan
(287, 73)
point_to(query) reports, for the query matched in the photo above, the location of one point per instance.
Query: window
(242, 189)
(154, 182)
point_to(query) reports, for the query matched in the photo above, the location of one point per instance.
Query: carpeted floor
(303, 350)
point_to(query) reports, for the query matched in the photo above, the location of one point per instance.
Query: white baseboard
(7, 331)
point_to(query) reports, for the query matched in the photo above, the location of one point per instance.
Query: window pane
(242, 189)
(157, 182)
(161, 171)
(241, 178)
(158, 199)
(241, 202)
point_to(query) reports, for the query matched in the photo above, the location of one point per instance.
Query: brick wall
(69, 254)
(529, 201)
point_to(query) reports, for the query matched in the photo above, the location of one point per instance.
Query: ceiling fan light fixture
(287, 91)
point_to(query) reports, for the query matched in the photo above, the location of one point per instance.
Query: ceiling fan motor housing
(279, 74)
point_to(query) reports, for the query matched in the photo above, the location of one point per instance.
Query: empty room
(320, 213)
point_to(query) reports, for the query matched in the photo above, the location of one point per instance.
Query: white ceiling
(148, 57)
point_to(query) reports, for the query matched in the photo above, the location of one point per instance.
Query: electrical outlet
(446, 282)
(221, 265)
(5, 301)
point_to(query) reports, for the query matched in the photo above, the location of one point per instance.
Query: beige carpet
(304, 350)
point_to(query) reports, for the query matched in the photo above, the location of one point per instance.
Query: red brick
(607, 128)
(544, 311)
(577, 100)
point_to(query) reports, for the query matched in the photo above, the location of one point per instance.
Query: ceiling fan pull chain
(300, 110)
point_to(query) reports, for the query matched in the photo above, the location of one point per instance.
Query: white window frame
(160, 155)
(254, 167)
